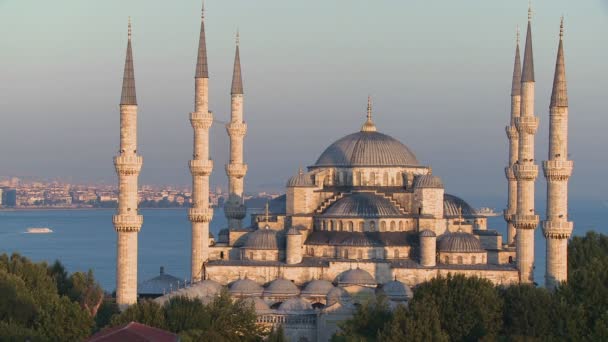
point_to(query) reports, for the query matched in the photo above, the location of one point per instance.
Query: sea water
(85, 239)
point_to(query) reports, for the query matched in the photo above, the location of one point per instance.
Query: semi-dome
(245, 287)
(455, 206)
(300, 180)
(367, 149)
(265, 238)
(427, 233)
(428, 181)
(460, 242)
(356, 276)
(397, 291)
(362, 205)
(317, 287)
(281, 288)
(295, 304)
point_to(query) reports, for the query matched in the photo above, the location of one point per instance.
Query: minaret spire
(200, 213)
(127, 222)
(236, 170)
(525, 170)
(513, 137)
(369, 125)
(558, 169)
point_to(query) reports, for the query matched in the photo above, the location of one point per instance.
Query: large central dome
(367, 149)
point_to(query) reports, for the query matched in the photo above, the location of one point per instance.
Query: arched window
(323, 227)
(372, 226)
(473, 260)
(372, 178)
(263, 255)
(447, 260)
(350, 226)
(385, 180)
(325, 253)
(359, 254)
(340, 226)
(460, 260)
(400, 226)
(380, 254)
(396, 254)
(331, 225)
(312, 252)
(392, 226)
(221, 255)
(361, 226)
(345, 253)
(383, 226)
(251, 255)
(510, 259)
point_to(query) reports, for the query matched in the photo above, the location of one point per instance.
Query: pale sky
(439, 72)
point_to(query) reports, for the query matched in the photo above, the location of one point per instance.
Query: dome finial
(517, 35)
(369, 126)
(203, 10)
(129, 30)
(529, 10)
(300, 171)
(561, 28)
(266, 215)
(238, 37)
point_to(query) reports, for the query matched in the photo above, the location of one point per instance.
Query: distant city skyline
(439, 74)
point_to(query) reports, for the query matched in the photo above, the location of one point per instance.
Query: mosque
(366, 218)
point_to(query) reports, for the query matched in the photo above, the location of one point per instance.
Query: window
(396, 254)
(372, 226)
(341, 226)
(392, 226)
(400, 226)
(385, 180)
(379, 254)
(331, 225)
(473, 260)
(361, 226)
(447, 260)
(251, 255)
(263, 255)
(359, 254)
(345, 254)
(221, 255)
(383, 226)
(350, 226)
(460, 260)
(372, 178)
(325, 252)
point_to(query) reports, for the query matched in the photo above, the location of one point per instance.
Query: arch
(350, 226)
(396, 254)
(372, 226)
(222, 255)
(340, 226)
(510, 259)
(473, 260)
(251, 255)
(400, 226)
(263, 255)
(345, 253)
(276, 305)
(325, 252)
(392, 226)
(361, 226)
(385, 179)
(372, 178)
(383, 226)
(331, 225)
(359, 254)
(447, 260)
(459, 259)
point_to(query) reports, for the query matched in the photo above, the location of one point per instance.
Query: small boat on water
(487, 212)
(39, 230)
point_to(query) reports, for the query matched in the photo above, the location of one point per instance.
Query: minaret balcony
(508, 215)
(200, 214)
(128, 164)
(558, 170)
(201, 167)
(525, 221)
(236, 129)
(527, 172)
(201, 120)
(512, 133)
(127, 223)
(526, 124)
(509, 173)
(236, 170)
(557, 229)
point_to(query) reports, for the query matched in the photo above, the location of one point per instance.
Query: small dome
(281, 288)
(455, 206)
(317, 287)
(427, 233)
(300, 180)
(259, 305)
(356, 276)
(295, 304)
(428, 181)
(367, 149)
(293, 231)
(459, 242)
(205, 288)
(362, 205)
(163, 283)
(336, 295)
(397, 291)
(245, 287)
(262, 239)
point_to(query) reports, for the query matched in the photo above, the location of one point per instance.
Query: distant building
(9, 197)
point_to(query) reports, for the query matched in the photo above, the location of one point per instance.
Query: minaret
(127, 222)
(525, 219)
(235, 209)
(200, 214)
(556, 228)
(513, 137)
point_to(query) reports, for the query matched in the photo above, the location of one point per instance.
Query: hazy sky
(439, 73)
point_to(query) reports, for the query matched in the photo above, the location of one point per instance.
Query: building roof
(335, 238)
(459, 242)
(245, 287)
(317, 287)
(264, 238)
(336, 295)
(300, 180)
(162, 283)
(259, 305)
(295, 304)
(281, 288)
(134, 332)
(356, 276)
(128, 96)
(362, 205)
(367, 149)
(397, 291)
(455, 206)
(428, 181)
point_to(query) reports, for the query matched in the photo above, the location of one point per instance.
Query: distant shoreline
(78, 209)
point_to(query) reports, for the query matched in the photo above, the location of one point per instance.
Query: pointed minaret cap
(528, 68)
(128, 96)
(237, 81)
(559, 95)
(201, 61)
(369, 125)
(516, 84)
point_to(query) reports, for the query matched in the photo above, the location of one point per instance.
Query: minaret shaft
(513, 137)
(200, 213)
(526, 171)
(127, 222)
(557, 169)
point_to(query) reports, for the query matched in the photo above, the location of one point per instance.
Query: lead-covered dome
(397, 291)
(367, 149)
(245, 287)
(281, 288)
(455, 206)
(317, 287)
(460, 242)
(356, 276)
(265, 238)
(362, 205)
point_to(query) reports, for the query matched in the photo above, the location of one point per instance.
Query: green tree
(368, 320)
(146, 312)
(527, 312)
(277, 335)
(184, 314)
(84, 289)
(419, 323)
